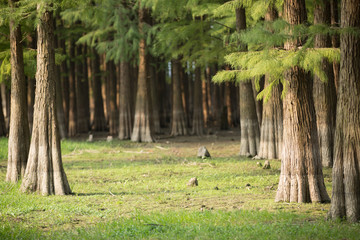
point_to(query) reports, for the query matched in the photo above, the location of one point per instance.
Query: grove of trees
(286, 72)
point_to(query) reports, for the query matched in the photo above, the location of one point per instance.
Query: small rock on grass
(203, 153)
(267, 165)
(109, 138)
(193, 182)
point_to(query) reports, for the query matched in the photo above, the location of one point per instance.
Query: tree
(198, 118)
(125, 116)
(142, 130)
(72, 92)
(19, 136)
(3, 131)
(44, 172)
(324, 92)
(346, 179)
(301, 177)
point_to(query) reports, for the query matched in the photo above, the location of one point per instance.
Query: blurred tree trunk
(198, 118)
(125, 116)
(72, 93)
(335, 40)
(111, 86)
(154, 94)
(65, 75)
(301, 179)
(346, 177)
(19, 135)
(44, 172)
(3, 131)
(31, 85)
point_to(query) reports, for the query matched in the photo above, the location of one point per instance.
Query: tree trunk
(178, 122)
(64, 71)
(111, 83)
(198, 118)
(82, 92)
(44, 172)
(205, 105)
(250, 132)
(99, 122)
(142, 131)
(154, 95)
(125, 116)
(5, 94)
(345, 201)
(324, 92)
(72, 93)
(335, 39)
(301, 177)
(271, 132)
(3, 131)
(228, 108)
(19, 136)
(31, 85)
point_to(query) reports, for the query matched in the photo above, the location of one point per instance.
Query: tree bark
(301, 177)
(198, 118)
(154, 94)
(72, 93)
(19, 135)
(335, 41)
(111, 83)
(178, 122)
(324, 92)
(64, 71)
(44, 172)
(3, 131)
(143, 127)
(99, 122)
(31, 85)
(345, 201)
(125, 116)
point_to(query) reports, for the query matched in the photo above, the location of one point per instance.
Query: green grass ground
(131, 190)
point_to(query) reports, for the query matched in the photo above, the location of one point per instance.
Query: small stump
(267, 165)
(203, 153)
(193, 182)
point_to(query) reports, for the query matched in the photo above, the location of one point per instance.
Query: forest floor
(125, 190)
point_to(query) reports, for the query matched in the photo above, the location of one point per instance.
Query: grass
(128, 190)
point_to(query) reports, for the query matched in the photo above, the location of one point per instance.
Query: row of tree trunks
(19, 136)
(301, 177)
(44, 172)
(345, 201)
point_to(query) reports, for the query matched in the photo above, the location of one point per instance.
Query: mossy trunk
(178, 122)
(44, 172)
(99, 122)
(198, 118)
(125, 116)
(301, 178)
(19, 135)
(324, 92)
(345, 201)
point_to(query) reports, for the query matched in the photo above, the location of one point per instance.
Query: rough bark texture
(198, 118)
(335, 40)
(125, 116)
(250, 131)
(178, 122)
(301, 178)
(99, 122)
(345, 201)
(324, 92)
(44, 172)
(142, 131)
(72, 93)
(19, 136)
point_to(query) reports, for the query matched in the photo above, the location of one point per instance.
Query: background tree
(44, 172)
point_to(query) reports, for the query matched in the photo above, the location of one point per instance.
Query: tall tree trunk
(3, 131)
(205, 105)
(198, 118)
(99, 122)
(44, 172)
(31, 85)
(228, 108)
(154, 95)
(271, 132)
(125, 116)
(72, 93)
(111, 83)
(5, 94)
(301, 178)
(345, 201)
(335, 41)
(178, 122)
(143, 127)
(324, 92)
(82, 92)
(64, 71)
(19, 136)
(250, 132)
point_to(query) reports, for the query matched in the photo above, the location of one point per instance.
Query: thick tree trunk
(99, 122)
(301, 177)
(178, 122)
(125, 116)
(198, 118)
(345, 201)
(44, 172)
(19, 136)
(111, 83)
(324, 92)
(72, 93)
(335, 41)
(154, 95)
(82, 92)
(250, 132)
(143, 127)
